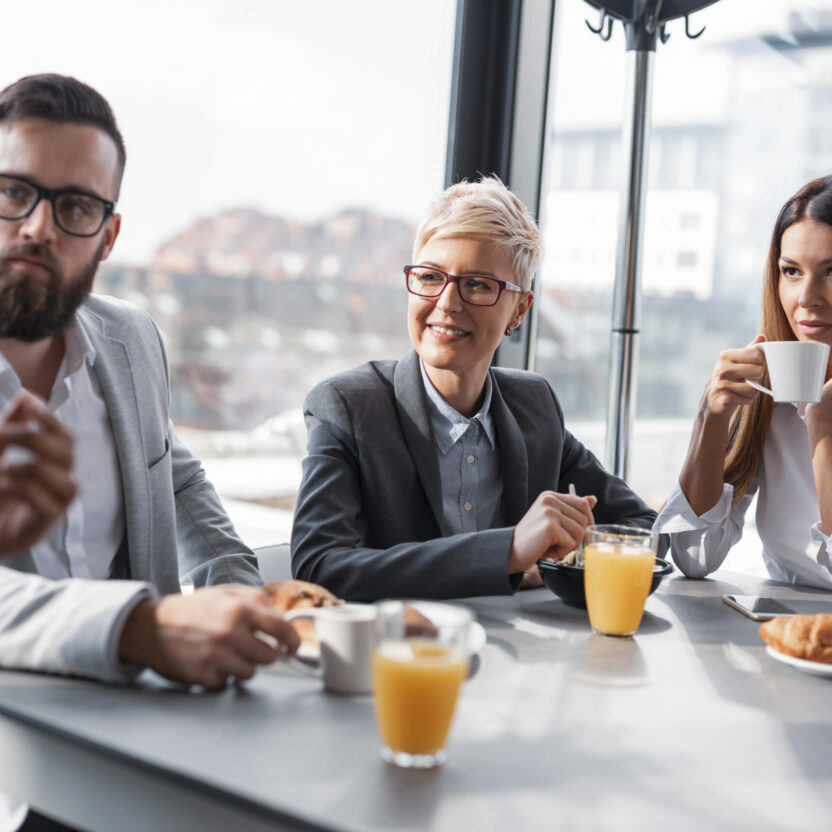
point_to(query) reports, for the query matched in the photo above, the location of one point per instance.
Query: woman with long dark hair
(744, 443)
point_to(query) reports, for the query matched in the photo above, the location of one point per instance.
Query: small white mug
(797, 370)
(347, 635)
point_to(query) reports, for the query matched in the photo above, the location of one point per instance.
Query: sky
(297, 108)
(305, 108)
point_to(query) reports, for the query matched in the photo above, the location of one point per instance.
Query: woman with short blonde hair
(488, 211)
(439, 475)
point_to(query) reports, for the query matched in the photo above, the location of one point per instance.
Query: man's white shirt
(84, 541)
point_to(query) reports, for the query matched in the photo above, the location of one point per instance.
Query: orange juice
(415, 687)
(617, 579)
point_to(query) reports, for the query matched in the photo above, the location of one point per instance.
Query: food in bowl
(567, 581)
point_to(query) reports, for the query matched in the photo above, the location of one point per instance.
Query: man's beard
(35, 306)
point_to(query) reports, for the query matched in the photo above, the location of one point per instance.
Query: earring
(508, 330)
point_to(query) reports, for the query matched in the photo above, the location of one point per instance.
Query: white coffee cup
(347, 636)
(796, 369)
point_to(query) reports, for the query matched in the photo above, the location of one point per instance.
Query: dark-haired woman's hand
(701, 477)
(727, 387)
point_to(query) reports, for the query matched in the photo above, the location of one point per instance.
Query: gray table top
(690, 725)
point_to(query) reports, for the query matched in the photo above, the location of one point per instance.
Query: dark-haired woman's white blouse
(795, 550)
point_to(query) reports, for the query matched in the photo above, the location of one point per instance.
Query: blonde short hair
(486, 210)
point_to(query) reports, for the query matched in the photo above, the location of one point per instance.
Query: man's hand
(35, 492)
(204, 638)
(553, 526)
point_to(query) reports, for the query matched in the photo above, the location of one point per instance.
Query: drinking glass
(417, 672)
(618, 571)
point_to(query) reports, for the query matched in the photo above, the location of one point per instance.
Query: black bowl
(567, 582)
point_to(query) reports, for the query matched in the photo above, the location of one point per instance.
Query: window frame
(498, 117)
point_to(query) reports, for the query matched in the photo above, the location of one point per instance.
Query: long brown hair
(749, 425)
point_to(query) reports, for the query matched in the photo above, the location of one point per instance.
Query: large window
(279, 155)
(741, 119)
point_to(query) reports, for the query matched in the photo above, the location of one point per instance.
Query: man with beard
(99, 595)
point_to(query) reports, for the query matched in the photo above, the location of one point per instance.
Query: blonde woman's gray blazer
(369, 522)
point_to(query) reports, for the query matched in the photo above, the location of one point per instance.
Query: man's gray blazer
(176, 528)
(369, 522)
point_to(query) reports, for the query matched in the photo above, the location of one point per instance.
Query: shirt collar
(449, 426)
(10, 384)
(78, 349)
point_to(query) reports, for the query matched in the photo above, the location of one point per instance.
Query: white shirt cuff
(678, 516)
(125, 672)
(818, 536)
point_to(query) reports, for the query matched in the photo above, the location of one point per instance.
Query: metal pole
(626, 313)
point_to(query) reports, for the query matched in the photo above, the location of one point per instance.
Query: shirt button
(471, 458)
(467, 506)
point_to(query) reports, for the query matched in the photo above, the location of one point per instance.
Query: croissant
(417, 624)
(803, 636)
(285, 596)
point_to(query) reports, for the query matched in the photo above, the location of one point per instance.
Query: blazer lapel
(115, 375)
(415, 421)
(514, 461)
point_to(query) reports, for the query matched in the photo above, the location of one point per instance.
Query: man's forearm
(66, 626)
(138, 635)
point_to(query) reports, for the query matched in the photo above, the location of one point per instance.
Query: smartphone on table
(758, 608)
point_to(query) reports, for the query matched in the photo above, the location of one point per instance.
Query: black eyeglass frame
(502, 285)
(52, 195)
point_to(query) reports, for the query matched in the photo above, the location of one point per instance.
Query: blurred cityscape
(254, 311)
(719, 171)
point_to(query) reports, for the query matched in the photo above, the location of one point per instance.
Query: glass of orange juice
(618, 570)
(418, 668)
